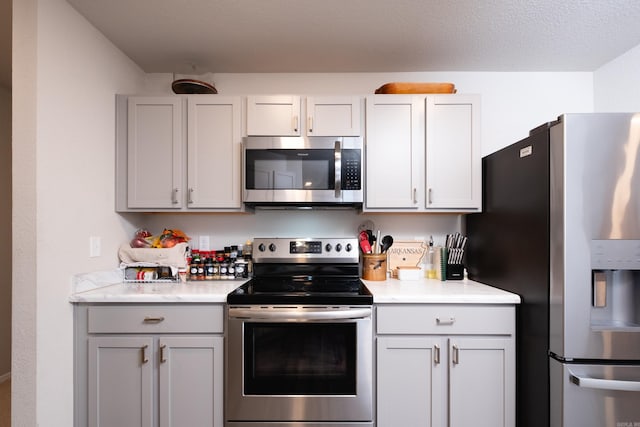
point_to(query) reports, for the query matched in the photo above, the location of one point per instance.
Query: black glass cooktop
(302, 289)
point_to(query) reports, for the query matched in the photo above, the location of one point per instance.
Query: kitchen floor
(5, 403)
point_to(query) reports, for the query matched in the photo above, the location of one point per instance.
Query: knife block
(455, 272)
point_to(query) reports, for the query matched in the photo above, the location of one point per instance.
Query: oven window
(303, 359)
(290, 169)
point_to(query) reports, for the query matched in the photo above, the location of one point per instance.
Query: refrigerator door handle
(602, 384)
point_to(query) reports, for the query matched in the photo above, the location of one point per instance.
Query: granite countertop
(107, 287)
(431, 291)
(191, 292)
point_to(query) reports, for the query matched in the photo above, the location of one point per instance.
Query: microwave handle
(338, 169)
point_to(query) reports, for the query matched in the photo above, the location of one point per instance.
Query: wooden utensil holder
(374, 266)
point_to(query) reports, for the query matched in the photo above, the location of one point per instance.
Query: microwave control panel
(351, 169)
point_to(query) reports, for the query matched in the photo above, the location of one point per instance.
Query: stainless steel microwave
(302, 171)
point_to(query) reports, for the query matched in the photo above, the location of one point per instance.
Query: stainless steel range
(299, 338)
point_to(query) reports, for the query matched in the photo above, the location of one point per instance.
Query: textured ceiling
(367, 35)
(237, 36)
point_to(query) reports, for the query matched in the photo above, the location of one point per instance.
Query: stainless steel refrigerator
(561, 227)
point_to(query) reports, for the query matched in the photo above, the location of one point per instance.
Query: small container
(409, 273)
(208, 268)
(430, 271)
(374, 266)
(193, 271)
(241, 269)
(224, 270)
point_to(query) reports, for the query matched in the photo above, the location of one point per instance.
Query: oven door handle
(306, 314)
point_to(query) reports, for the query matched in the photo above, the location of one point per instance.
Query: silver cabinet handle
(337, 153)
(149, 319)
(436, 354)
(295, 123)
(602, 384)
(455, 356)
(430, 199)
(415, 196)
(162, 358)
(174, 196)
(443, 322)
(191, 190)
(145, 359)
(310, 124)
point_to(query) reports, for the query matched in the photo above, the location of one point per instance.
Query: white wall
(63, 175)
(512, 104)
(63, 192)
(617, 83)
(5, 232)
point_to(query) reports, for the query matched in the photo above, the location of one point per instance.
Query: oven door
(299, 364)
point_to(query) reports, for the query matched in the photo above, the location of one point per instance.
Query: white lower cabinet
(445, 365)
(191, 381)
(409, 384)
(120, 382)
(149, 366)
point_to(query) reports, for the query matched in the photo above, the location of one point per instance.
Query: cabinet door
(410, 383)
(394, 152)
(191, 381)
(154, 152)
(120, 382)
(273, 115)
(482, 383)
(453, 162)
(333, 116)
(214, 150)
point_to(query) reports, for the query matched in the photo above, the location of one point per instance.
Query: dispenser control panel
(614, 254)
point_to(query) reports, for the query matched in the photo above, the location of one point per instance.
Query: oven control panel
(307, 249)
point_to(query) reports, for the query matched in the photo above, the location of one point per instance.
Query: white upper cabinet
(423, 153)
(394, 152)
(333, 116)
(176, 152)
(214, 152)
(154, 152)
(453, 158)
(273, 115)
(281, 115)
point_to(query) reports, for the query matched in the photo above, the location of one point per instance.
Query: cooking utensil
(365, 246)
(386, 243)
(371, 237)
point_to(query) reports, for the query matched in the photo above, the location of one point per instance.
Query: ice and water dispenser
(615, 266)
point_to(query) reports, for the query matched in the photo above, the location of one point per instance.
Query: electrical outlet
(95, 246)
(205, 244)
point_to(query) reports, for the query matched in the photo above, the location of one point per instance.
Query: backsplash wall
(226, 229)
